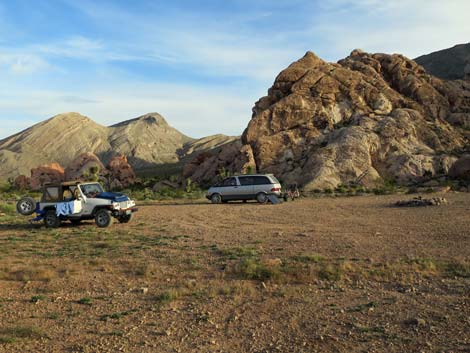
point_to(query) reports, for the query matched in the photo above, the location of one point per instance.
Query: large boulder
(121, 173)
(366, 119)
(210, 165)
(47, 173)
(84, 167)
(22, 182)
(461, 168)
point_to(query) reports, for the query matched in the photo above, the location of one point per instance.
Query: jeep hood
(113, 196)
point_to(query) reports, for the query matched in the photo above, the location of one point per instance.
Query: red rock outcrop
(121, 173)
(83, 167)
(48, 173)
(22, 182)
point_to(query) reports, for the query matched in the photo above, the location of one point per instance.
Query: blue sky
(201, 64)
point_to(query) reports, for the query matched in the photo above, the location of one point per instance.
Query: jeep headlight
(116, 205)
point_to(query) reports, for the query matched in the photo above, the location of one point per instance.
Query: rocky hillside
(366, 119)
(147, 141)
(448, 64)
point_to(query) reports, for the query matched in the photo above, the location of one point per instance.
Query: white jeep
(76, 201)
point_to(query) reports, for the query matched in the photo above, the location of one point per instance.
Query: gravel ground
(349, 274)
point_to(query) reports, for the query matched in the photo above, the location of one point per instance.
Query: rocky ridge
(448, 64)
(366, 119)
(147, 142)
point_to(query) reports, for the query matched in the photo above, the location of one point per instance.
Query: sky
(201, 64)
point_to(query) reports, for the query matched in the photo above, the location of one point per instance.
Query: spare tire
(26, 206)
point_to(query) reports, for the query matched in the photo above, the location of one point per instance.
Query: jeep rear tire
(125, 218)
(26, 206)
(103, 218)
(51, 220)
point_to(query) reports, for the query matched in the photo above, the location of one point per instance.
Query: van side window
(246, 180)
(261, 180)
(229, 182)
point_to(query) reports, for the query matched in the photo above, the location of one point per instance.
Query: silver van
(245, 187)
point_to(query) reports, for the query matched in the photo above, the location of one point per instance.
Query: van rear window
(273, 178)
(261, 180)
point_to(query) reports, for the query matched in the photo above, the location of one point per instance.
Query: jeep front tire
(103, 218)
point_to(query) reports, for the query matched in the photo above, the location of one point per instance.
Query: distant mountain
(448, 64)
(147, 141)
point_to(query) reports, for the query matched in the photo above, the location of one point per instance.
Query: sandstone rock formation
(366, 119)
(208, 165)
(120, 172)
(48, 173)
(83, 166)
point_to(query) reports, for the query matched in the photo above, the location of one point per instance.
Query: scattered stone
(416, 322)
(143, 290)
(420, 201)
(273, 262)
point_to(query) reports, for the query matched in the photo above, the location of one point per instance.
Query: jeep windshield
(91, 190)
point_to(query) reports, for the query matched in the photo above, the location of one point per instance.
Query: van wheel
(103, 218)
(261, 197)
(216, 198)
(51, 220)
(26, 206)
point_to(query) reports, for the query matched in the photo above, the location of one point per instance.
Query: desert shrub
(11, 334)
(342, 189)
(250, 268)
(166, 297)
(387, 187)
(330, 272)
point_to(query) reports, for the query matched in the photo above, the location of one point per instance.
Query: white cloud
(411, 28)
(24, 64)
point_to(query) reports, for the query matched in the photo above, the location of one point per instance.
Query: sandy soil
(314, 275)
